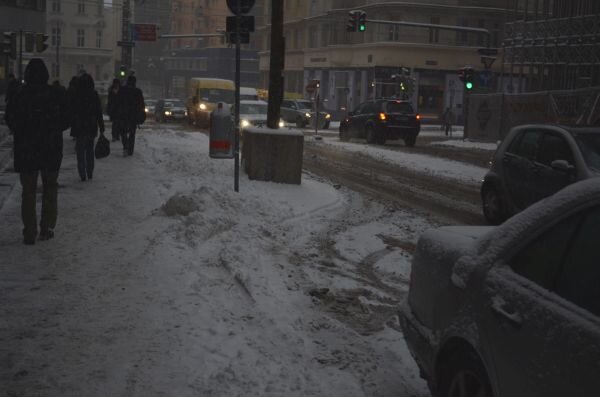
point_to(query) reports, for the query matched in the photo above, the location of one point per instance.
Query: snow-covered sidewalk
(162, 281)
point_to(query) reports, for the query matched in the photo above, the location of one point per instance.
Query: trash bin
(221, 133)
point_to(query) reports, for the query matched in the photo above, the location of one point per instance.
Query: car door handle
(499, 307)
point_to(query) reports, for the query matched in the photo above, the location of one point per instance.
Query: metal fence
(491, 116)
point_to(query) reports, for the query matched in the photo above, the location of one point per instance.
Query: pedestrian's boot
(46, 234)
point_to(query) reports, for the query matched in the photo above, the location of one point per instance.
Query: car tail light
(382, 116)
(418, 116)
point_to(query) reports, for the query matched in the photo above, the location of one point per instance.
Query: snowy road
(162, 281)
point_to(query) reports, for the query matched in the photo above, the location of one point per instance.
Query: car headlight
(245, 123)
(146, 110)
(307, 115)
(281, 124)
(202, 106)
(327, 116)
(167, 113)
(185, 113)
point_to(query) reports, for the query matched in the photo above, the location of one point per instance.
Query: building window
(56, 6)
(324, 35)
(434, 34)
(461, 36)
(55, 37)
(55, 70)
(81, 6)
(80, 38)
(98, 39)
(481, 38)
(394, 33)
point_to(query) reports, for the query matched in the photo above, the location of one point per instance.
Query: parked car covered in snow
(512, 310)
(535, 161)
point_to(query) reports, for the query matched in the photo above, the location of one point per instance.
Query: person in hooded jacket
(86, 118)
(37, 114)
(111, 108)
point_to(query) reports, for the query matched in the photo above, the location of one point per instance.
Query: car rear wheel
(464, 375)
(493, 208)
(410, 141)
(370, 132)
(344, 134)
(300, 123)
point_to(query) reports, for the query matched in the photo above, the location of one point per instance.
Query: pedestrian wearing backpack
(37, 115)
(130, 113)
(111, 106)
(86, 118)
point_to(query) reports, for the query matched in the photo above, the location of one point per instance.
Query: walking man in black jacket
(130, 113)
(37, 115)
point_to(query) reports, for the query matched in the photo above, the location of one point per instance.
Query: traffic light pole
(236, 147)
(434, 26)
(20, 69)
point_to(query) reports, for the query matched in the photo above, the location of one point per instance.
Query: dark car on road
(301, 112)
(170, 110)
(380, 120)
(511, 310)
(534, 162)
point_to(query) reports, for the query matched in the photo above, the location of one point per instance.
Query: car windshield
(215, 95)
(171, 104)
(253, 108)
(589, 144)
(398, 107)
(150, 102)
(305, 105)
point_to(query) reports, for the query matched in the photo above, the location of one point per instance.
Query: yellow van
(204, 94)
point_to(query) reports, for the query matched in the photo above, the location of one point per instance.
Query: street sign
(244, 38)
(244, 6)
(485, 76)
(312, 85)
(143, 32)
(490, 52)
(246, 24)
(125, 43)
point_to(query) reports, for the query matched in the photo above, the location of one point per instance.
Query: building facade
(356, 66)
(83, 35)
(553, 45)
(20, 16)
(207, 56)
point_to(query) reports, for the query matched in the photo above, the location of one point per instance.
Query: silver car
(513, 310)
(535, 161)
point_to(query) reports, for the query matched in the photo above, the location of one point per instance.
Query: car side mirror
(562, 165)
(461, 271)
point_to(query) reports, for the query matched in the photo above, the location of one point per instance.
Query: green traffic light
(469, 85)
(362, 28)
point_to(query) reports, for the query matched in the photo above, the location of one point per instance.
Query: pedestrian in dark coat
(37, 114)
(130, 113)
(111, 108)
(86, 118)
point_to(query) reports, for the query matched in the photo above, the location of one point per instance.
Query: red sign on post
(144, 32)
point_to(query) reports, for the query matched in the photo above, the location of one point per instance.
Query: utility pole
(276, 64)
(236, 146)
(126, 50)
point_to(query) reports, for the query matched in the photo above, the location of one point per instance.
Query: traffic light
(40, 42)
(467, 76)
(122, 71)
(29, 41)
(352, 24)
(362, 21)
(9, 44)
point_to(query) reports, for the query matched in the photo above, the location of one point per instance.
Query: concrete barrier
(273, 155)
